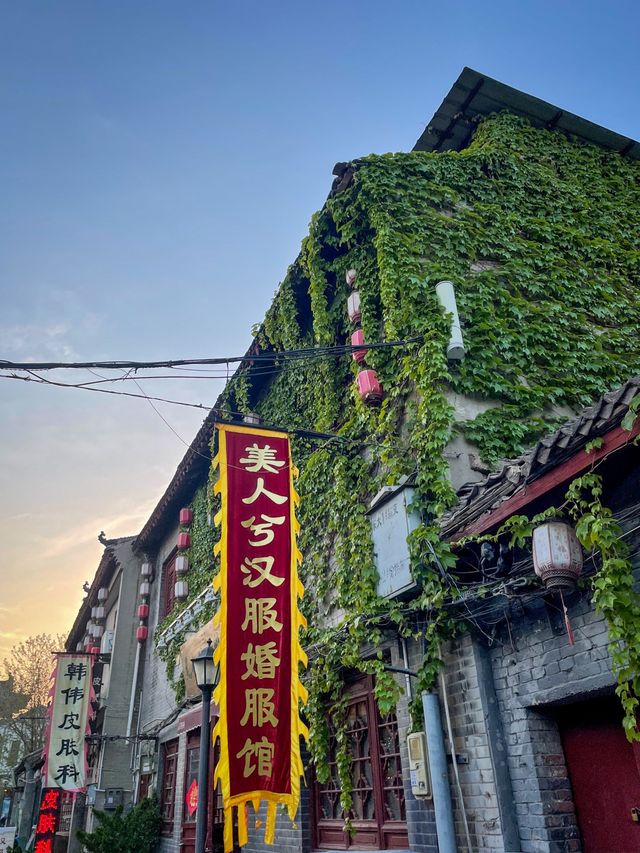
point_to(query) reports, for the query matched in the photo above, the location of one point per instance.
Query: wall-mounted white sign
(391, 523)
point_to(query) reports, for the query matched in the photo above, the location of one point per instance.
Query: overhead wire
(313, 352)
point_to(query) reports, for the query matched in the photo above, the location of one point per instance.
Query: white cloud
(33, 342)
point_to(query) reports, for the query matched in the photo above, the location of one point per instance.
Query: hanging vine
(539, 234)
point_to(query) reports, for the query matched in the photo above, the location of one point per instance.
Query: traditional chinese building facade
(418, 467)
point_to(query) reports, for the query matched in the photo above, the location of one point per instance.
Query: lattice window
(168, 785)
(168, 586)
(378, 814)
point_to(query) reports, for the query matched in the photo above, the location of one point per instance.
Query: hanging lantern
(353, 307)
(103, 593)
(143, 611)
(369, 387)
(182, 564)
(351, 276)
(145, 570)
(357, 339)
(95, 650)
(142, 633)
(99, 612)
(181, 589)
(89, 627)
(145, 588)
(186, 517)
(98, 631)
(184, 541)
(79, 646)
(557, 555)
(93, 612)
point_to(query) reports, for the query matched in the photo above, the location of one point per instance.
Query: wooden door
(604, 769)
(188, 838)
(215, 812)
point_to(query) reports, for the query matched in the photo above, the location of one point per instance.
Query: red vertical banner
(48, 819)
(259, 653)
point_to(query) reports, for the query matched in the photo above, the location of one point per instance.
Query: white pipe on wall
(447, 298)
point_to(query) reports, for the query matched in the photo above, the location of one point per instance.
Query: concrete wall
(116, 755)
(158, 698)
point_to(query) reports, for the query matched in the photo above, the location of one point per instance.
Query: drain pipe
(442, 805)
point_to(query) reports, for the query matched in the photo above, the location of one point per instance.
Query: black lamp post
(207, 674)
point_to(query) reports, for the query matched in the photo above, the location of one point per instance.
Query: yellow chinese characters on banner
(259, 652)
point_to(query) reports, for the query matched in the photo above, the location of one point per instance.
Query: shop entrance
(604, 769)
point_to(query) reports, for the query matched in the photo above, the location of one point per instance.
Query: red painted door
(215, 827)
(605, 775)
(188, 839)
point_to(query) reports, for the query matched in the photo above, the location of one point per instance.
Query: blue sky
(159, 164)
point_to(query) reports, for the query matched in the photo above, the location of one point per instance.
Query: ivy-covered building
(533, 214)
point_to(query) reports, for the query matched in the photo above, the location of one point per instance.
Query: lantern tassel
(567, 623)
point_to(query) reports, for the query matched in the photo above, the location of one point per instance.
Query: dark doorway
(604, 769)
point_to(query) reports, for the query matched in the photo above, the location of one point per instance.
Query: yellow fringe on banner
(298, 657)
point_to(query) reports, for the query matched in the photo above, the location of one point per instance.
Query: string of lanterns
(368, 384)
(181, 587)
(94, 629)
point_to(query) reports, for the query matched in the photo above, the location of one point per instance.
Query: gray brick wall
(533, 668)
(420, 816)
(471, 742)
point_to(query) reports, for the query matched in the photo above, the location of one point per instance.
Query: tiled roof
(108, 563)
(476, 499)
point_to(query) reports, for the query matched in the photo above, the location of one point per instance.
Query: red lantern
(369, 386)
(353, 307)
(142, 633)
(95, 650)
(186, 517)
(357, 339)
(184, 541)
(143, 611)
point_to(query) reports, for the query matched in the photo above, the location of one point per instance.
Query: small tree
(136, 832)
(25, 694)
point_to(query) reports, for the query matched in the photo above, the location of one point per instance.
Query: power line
(316, 352)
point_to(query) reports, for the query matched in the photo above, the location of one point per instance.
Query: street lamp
(207, 674)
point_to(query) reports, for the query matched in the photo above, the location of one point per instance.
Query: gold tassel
(270, 831)
(228, 829)
(243, 836)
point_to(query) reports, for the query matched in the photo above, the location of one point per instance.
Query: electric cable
(328, 351)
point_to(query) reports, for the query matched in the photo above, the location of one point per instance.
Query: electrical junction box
(113, 797)
(418, 765)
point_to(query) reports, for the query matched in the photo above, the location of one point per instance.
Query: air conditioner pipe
(447, 298)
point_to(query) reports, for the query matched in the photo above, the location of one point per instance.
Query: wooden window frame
(169, 578)
(375, 834)
(168, 785)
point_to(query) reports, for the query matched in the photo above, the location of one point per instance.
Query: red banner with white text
(259, 652)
